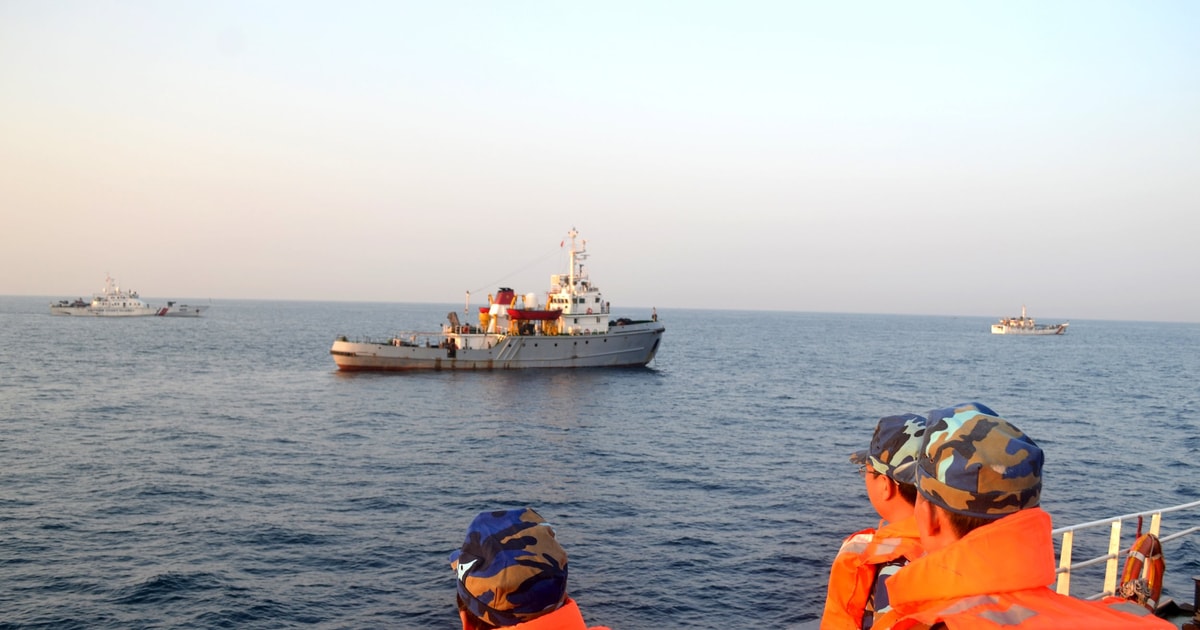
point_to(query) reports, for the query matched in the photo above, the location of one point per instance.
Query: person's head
(973, 468)
(509, 570)
(893, 450)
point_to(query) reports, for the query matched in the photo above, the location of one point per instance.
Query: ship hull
(68, 310)
(623, 346)
(104, 312)
(182, 310)
(1001, 329)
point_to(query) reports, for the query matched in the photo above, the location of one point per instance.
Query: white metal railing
(1111, 559)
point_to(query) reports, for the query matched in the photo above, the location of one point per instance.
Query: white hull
(1057, 329)
(629, 345)
(181, 310)
(114, 311)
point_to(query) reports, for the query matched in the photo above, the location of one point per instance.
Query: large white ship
(573, 328)
(112, 301)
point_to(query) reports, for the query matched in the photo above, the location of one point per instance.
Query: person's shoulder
(860, 537)
(870, 531)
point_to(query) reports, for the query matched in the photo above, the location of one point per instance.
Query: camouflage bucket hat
(976, 463)
(510, 568)
(894, 447)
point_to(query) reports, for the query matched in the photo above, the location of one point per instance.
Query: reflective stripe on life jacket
(854, 578)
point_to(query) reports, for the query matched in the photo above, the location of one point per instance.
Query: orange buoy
(1142, 579)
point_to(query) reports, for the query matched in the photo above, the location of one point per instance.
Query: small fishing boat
(68, 307)
(1027, 326)
(573, 328)
(181, 310)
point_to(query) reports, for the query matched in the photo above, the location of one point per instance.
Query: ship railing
(1067, 566)
(410, 337)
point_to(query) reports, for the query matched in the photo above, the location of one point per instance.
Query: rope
(531, 263)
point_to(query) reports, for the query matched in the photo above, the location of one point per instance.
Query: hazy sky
(949, 158)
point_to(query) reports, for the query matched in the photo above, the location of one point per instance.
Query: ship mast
(580, 254)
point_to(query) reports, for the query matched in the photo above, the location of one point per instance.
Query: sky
(933, 158)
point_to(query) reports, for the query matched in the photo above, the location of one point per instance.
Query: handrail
(1112, 558)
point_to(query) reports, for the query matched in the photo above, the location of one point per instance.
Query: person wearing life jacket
(989, 553)
(512, 573)
(868, 558)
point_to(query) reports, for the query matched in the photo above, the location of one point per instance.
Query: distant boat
(1027, 326)
(571, 328)
(182, 310)
(68, 307)
(112, 301)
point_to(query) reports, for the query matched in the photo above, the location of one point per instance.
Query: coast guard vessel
(573, 328)
(112, 301)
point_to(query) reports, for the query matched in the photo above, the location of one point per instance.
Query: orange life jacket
(566, 617)
(997, 576)
(853, 574)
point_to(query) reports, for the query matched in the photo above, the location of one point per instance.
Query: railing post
(1064, 563)
(1196, 599)
(1114, 556)
(1194, 624)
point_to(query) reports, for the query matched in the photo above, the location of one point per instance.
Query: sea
(220, 472)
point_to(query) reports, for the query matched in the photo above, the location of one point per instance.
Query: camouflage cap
(976, 463)
(510, 568)
(894, 446)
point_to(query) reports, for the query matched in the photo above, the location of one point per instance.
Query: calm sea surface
(219, 472)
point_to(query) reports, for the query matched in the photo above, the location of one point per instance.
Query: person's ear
(936, 519)
(927, 518)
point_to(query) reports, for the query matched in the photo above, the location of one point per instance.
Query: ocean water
(219, 472)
